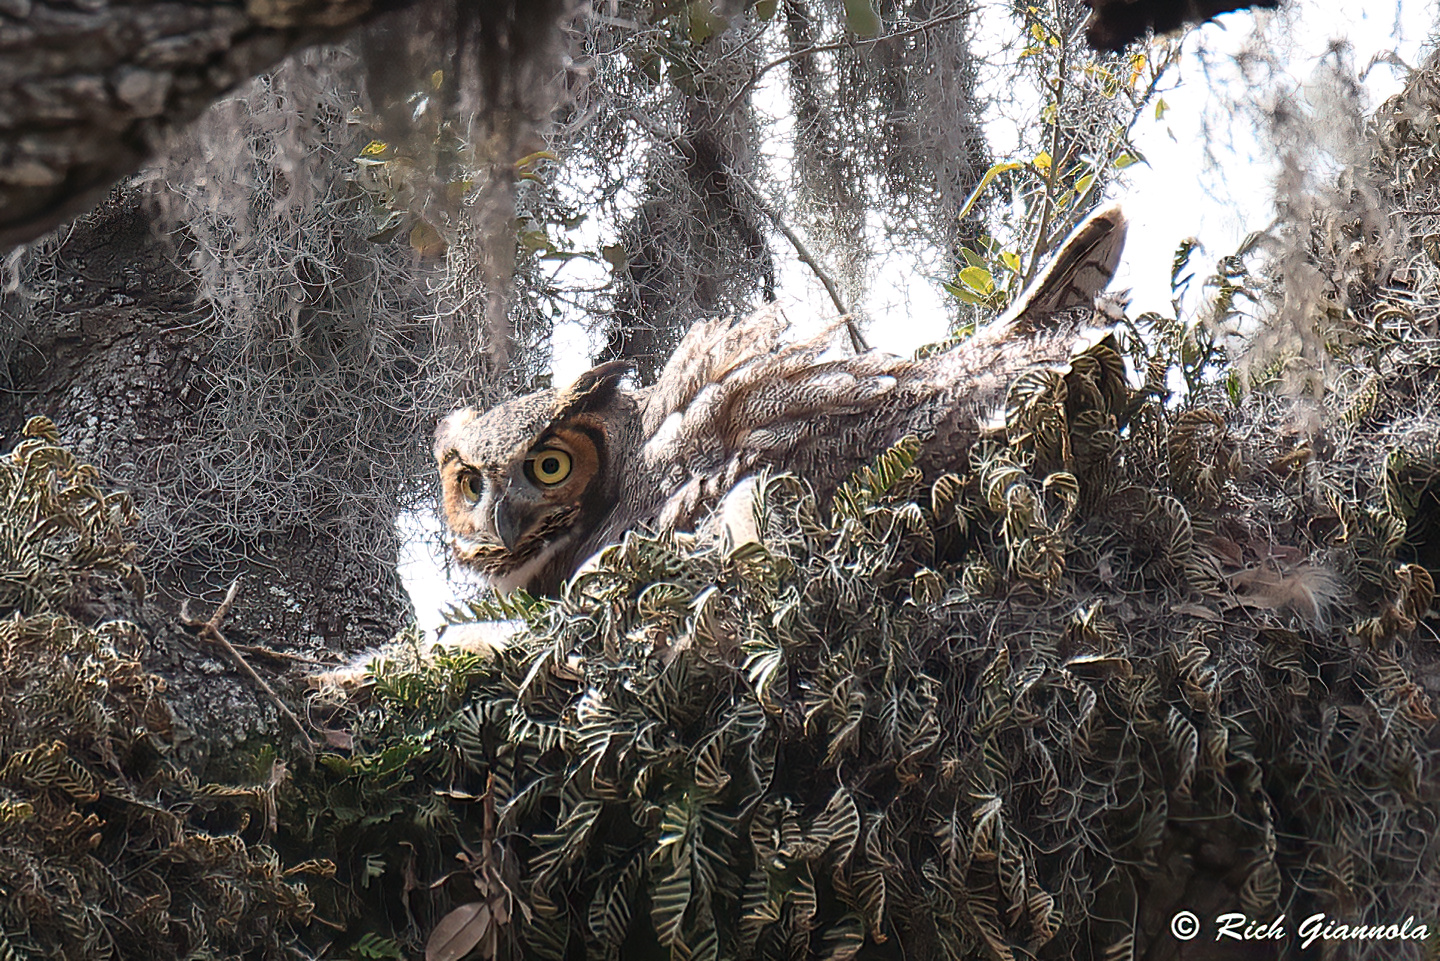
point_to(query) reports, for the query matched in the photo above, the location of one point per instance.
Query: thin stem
(1047, 208)
(210, 630)
(807, 258)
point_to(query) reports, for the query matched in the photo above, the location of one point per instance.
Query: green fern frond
(871, 482)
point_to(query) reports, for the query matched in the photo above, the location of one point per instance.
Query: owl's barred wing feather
(1083, 265)
(755, 378)
(783, 407)
(706, 355)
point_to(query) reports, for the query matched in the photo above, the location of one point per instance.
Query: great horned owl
(536, 485)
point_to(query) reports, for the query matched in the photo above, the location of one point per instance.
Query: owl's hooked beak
(510, 523)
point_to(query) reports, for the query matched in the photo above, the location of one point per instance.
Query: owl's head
(525, 482)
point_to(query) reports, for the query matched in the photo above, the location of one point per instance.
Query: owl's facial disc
(540, 502)
(510, 518)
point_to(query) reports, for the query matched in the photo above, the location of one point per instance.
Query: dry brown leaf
(459, 932)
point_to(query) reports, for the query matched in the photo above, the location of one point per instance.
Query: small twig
(256, 651)
(210, 630)
(1043, 243)
(806, 258)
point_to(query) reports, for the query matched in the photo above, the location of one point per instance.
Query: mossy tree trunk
(124, 361)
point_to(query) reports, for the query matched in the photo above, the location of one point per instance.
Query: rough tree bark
(121, 359)
(1115, 23)
(88, 87)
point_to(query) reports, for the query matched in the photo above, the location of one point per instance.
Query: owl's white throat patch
(525, 573)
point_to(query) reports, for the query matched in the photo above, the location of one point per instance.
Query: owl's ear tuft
(592, 389)
(448, 432)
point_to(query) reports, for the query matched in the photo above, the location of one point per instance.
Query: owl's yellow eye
(472, 486)
(549, 466)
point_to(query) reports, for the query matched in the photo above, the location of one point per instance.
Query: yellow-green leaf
(456, 190)
(977, 279)
(614, 255)
(704, 22)
(387, 225)
(533, 240)
(536, 157)
(995, 171)
(426, 241)
(965, 296)
(1138, 62)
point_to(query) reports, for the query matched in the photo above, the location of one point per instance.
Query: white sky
(1168, 199)
(1173, 197)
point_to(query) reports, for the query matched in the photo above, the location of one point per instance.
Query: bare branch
(808, 259)
(210, 630)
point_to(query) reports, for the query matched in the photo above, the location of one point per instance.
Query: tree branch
(806, 257)
(210, 630)
(88, 90)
